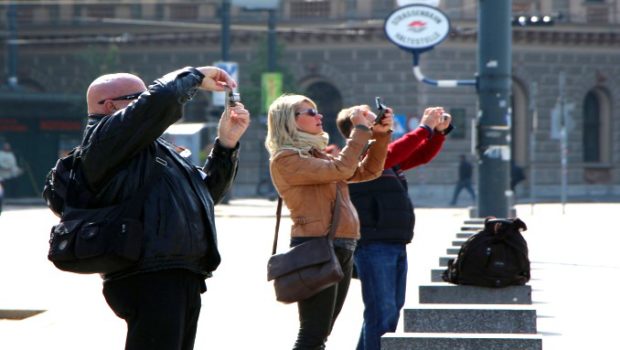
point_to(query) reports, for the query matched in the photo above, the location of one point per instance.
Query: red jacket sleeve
(413, 149)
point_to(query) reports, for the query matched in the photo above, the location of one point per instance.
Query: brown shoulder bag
(308, 268)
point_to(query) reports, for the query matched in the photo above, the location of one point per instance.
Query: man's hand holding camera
(436, 119)
(235, 119)
(233, 124)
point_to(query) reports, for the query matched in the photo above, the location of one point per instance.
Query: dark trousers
(161, 308)
(1, 195)
(318, 314)
(462, 184)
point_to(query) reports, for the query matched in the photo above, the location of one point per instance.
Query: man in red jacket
(387, 220)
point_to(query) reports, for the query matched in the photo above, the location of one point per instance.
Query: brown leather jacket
(307, 184)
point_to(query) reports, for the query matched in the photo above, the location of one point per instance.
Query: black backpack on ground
(497, 256)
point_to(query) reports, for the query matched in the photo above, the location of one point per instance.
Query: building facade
(336, 52)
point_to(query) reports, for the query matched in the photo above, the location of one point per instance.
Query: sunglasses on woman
(310, 112)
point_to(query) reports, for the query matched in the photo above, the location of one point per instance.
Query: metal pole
(271, 41)
(563, 142)
(533, 128)
(12, 46)
(351, 11)
(225, 39)
(494, 98)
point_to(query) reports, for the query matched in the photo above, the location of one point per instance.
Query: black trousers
(161, 308)
(318, 314)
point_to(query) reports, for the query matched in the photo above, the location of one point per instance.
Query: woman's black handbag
(305, 269)
(99, 240)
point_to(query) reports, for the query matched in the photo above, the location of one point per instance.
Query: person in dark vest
(464, 181)
(387, 221)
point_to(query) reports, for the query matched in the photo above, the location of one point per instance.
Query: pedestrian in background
(8, 163)
(517, 175)
(387, 221)
(307, 180)
(8, 168)
(464, 180)
(160, 296)
(1, 196)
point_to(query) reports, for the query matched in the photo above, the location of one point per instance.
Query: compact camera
(232, 98)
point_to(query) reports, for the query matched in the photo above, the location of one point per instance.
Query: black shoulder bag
(308, 268)
(100, 240)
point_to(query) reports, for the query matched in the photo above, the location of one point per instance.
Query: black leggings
(161, 308)
(318, 314)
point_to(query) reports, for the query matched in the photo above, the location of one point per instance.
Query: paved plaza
(574, 271)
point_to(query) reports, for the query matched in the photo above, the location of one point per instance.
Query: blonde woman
(307, 180)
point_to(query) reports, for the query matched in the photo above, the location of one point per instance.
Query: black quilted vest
(384, 208)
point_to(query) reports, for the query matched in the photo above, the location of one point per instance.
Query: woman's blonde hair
(282, 132)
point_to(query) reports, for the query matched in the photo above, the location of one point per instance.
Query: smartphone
(381, 109)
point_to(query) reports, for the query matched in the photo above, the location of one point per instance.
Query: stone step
(474, 221)
(18, 314)
(436, 275)
(458, 242)
(470, 228)
(470, 318)
(443, 260)
(465, 234)
(452, 341)
(453, 251)
(457, 294)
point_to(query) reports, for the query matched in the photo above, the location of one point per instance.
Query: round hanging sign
(417, 27)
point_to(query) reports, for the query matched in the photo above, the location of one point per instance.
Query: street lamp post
(495, 111)
(271, 41)
(12, 45)
(225, 39)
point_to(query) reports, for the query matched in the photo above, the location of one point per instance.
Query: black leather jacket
(122, 149)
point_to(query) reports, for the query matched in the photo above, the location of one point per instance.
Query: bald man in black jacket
(159, 297)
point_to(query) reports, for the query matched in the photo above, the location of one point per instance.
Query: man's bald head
(110, 86)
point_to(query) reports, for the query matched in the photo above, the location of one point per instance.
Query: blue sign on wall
(400, 125)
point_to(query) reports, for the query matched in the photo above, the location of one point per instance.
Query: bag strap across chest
(133, 203)
(332, 227)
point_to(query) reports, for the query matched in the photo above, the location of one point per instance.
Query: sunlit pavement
(574, 272)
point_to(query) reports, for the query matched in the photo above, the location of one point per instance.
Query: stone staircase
(467, 317)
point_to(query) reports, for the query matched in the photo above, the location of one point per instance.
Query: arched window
(596, 127)
(329, 102)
